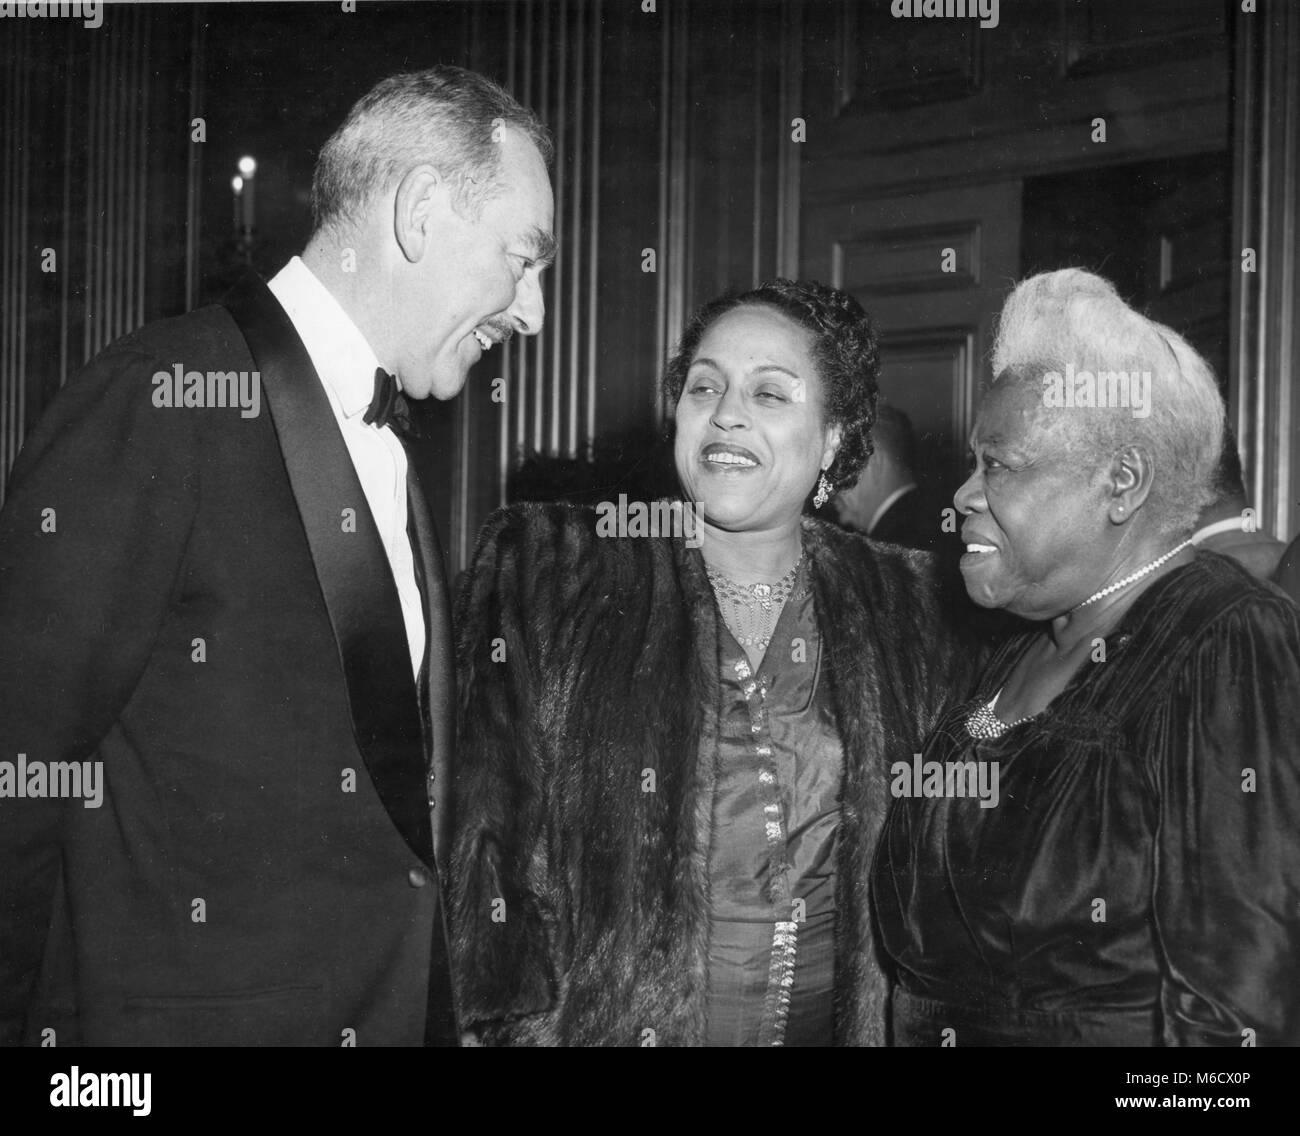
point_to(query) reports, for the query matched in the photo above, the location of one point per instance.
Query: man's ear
(422, 195)
(1128, 482)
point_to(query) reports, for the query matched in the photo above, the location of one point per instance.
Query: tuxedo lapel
(351, 566)
(437, 686)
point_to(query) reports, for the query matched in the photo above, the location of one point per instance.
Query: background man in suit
(1224, 526)
(225, 663)
(1287, 576)
(886, 502)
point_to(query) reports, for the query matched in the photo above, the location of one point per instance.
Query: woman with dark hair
(674, 746)
(1138, 883)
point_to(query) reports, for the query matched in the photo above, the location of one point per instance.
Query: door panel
(932, 269)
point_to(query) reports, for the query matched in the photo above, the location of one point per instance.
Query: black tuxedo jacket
(200, 601)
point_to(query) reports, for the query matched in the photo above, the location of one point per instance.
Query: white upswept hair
(1072, 316)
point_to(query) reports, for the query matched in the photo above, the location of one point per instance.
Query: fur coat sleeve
(502, 902)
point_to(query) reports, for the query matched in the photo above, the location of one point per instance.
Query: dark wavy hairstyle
(846, 351)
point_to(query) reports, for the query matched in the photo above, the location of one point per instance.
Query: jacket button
(417, 877)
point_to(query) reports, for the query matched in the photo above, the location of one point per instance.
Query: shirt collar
(343, 358)
(1232, 524)
(887, 502)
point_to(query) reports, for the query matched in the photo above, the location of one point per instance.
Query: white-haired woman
(1138, 882)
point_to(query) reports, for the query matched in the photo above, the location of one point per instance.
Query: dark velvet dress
(772, 854)
(1138, 882)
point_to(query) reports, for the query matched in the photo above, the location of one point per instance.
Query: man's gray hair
(1056, 320)
(447, 117)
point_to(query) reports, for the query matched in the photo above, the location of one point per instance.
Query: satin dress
(1138, 881)
(772, 853)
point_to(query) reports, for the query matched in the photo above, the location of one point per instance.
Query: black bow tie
(388, 407)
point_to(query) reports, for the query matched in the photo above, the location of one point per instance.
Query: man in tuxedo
(225, 660)
(1228, 525)
(886, 501)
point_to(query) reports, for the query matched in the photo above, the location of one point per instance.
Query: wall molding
(1265, 345)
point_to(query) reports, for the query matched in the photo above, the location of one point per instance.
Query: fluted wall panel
(18, 259)
(553, 59)
(94, 172)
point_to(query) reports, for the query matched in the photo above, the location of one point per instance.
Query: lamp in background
(237, 184)
(247, 170)
(243, 185)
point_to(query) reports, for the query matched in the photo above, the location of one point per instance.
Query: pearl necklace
(1124, 583)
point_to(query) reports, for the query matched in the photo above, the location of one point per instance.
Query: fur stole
(579, 903)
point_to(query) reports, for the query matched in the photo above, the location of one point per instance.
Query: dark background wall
(738, 139)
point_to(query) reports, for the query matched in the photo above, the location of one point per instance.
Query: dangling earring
(823, 491)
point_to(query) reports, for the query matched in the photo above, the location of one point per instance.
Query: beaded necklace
(751, 611)
(983, 723)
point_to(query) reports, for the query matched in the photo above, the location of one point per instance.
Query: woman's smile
(977, 556)
(728, 459)
(979, 553)
(751, 434)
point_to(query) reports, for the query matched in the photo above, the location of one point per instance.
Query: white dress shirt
(346, 365)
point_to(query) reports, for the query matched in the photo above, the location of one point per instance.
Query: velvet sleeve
(501, 916)
(1226, 764)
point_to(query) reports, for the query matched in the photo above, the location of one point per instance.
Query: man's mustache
(503, 329)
